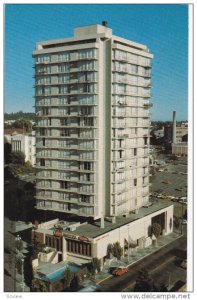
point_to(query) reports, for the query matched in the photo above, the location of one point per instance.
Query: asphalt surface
(162, 265)
(172, 181)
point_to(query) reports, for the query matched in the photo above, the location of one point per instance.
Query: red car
(120, 271)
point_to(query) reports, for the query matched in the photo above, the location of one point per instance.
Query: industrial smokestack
(174, 128)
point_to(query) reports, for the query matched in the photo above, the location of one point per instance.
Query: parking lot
(170, 179)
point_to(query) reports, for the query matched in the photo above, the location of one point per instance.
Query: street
(162, 266)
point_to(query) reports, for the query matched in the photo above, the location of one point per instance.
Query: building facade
(26, 144)
(92, 98)
(79, 243)
(181, 131)
(180, 149)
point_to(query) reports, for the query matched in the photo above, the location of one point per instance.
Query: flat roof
(93, 230)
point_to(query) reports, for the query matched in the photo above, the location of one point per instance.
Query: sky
(162, 27)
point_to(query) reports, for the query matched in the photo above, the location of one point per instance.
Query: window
(42, 162)
(63, 101)
(63, 89)
(145, 140)
(43, 69)
(85, 198)
(64, 56)
(135, 151)
(43, 58)
(88, 121)
(63, 68)
(135, 182)
(65, 132)
(86, 110)
(88, 177)
(87, 166)
(64, 164)
(87, 53)
(63, 184)
(63, 79)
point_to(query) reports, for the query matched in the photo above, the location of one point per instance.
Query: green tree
(19, 245)
(156, 230)
(109, 250)
(69, 275)
(176, 222)
(18, 265)
(75, 283)
(163, 288)
(96, 264)
(17, 158)
(39, 286)
(7, 150)
(170, 224)
(23, 123)
(117, 250)
(144, 282)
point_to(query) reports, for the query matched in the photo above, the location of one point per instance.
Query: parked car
(183, 200)
(184, 264)
(120, 271)
(184, 222)
(160, 196)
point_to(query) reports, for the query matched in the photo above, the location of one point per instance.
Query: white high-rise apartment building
(92, 96)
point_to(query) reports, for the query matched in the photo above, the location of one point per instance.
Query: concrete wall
(132, 232)
(26, 144)
(180, 149)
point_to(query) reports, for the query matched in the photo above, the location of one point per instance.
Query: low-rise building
(79, 243)
(26, 144)
(180, 149)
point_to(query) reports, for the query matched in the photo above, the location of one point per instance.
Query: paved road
(159, 264)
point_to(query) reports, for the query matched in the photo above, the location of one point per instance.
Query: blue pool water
(59, 274)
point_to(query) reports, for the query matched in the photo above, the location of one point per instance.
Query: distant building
(168, 133)
(180, 149)
(9, 122)
(159, 133)
(9, 132)
(26, 144)
(181, 131)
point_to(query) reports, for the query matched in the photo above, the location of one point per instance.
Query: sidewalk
(136, 256)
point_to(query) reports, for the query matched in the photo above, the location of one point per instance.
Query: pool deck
(48, 268)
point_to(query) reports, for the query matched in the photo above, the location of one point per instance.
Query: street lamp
(169, 279)
(20, 256)
(128, 243)
(22, 275)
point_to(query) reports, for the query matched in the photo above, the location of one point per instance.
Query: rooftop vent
(105, 23)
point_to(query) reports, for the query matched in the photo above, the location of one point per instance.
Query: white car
(183, 200)
(184, 222)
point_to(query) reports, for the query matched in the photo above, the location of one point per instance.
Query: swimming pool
(59, 274)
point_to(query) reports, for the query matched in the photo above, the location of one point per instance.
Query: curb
(156, 249)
